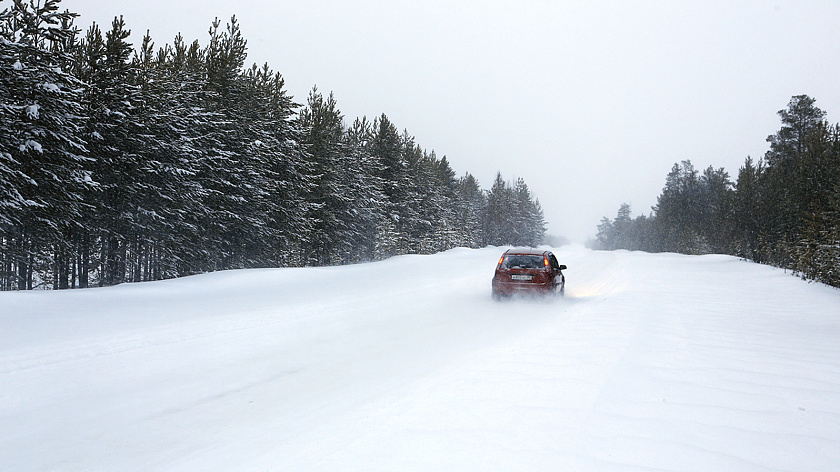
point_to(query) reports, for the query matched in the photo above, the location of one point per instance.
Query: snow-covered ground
(650, 362)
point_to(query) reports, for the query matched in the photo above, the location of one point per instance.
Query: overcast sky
(590, 102)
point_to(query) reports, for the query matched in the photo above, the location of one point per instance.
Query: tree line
(121, 165)
(783, 210)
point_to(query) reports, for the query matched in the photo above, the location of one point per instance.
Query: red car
(528, 271)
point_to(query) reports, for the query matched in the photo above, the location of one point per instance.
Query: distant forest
(783, 210)
(123, 164)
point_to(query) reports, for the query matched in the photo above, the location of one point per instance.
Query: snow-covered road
(650, 362)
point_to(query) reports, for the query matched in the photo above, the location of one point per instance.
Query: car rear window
(522, 261)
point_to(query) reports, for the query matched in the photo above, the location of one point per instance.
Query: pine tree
(280, 172)
(420, 198)
(361, 170)
(113, 132)
(605, 238)
(442, 206)
(42, 155)
(785, 206)
(677, 210)
(714, 211)
(224, 167)
(168, 107)
(323, 132)
(470, 206)
(498, 218)
(180, 122)
(621, 236)
(528, 220)
(387, 148)
(747, 211)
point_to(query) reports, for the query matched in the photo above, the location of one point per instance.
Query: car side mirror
(562, 267)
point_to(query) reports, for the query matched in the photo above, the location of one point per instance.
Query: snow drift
(650, 362)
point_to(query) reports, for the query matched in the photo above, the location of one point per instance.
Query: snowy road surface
(651, 362)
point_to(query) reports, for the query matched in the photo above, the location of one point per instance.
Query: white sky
(590, 102)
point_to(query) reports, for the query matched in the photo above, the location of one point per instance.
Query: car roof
(528, 251)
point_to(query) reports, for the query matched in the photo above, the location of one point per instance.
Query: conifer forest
(126, 162)
(123, 164)
(782, 210)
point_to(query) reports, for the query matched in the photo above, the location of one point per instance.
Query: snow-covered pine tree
(361, 171)
(470, 206)
(188, 122)
(114, 132)
(250, 165)
(715, 211)
(42, 155)
(414, 199)
(169, 107)
(386, 147)
(785, 200)
(746, 212)
(441, 206)
(499, 218)
(322, 125)
(815, 181)
(230, 225)
(677, 209)
(281, 169)
(529, 223)
(605, 238)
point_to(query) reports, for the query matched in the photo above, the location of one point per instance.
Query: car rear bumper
(512, 288)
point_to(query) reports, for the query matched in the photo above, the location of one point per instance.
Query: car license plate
(521, 277)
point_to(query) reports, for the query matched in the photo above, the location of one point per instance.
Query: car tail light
(545, 261)
(501, 259)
